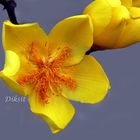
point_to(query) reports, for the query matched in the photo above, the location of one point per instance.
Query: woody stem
(10, 6)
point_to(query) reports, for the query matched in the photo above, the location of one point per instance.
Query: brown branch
(95, 48)
(10, 6)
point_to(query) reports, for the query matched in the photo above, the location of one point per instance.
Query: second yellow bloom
(116, 23)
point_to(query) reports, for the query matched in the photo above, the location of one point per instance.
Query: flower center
(48, 77)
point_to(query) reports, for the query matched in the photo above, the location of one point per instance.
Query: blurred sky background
(116, 118)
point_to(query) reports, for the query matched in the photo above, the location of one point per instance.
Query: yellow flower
(52, 69)
(116, 23)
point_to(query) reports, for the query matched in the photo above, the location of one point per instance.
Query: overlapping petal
(118, 18)
(127, 3)
(135, 12)
(114, 3)
(130, 34)
(100, 13)
(110, 36)
(136, 3)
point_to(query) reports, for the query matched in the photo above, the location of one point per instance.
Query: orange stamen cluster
(48, 74)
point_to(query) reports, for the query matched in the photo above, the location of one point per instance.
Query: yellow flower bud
(116, 23)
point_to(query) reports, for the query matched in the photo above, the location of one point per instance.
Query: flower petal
(136, 3)
(12, 63)
(11, 67)
(109, 37)
(131, 34)
(100, 12)
(135, 12)
(19, 37)
(114, 3)
(92, 83)
(56, 113)
(13, 85)
(127, 3)
(75, 32)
